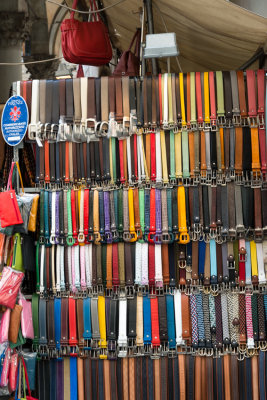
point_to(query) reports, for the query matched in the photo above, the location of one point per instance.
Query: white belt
(261, 271)
(129, 161)
(62, 271)
(58, 267)
(82, 262)
(88, 264)
(138, 263)
(144, 263)
(158, 158)
(178, 317)
(122, 338)
(42, 269)
(158, 266)
(33, 127)
(53, 218)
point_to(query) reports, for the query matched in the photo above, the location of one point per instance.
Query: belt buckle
(104, 126)
(81, 237)
(207, 126)
(112, 127)
(253, 121)
(115, 235)
(119, 130)
(150, 237)
(213, 125)
(54, 131)
(165, 348)
(125, 126)
(133, 236)
(131, 347)
(221, 120)
(200, 125)
(108, 237)
(133, 122)
(147, 349)
(236, 120)
(32, 131)
(158, 238)
(156, 352)
(193, 125)
(167, 237)
(47, 130)
(90, 130)
(77, 131)
(258, 235)
(130, 291)
(184, 238)
(122, 351)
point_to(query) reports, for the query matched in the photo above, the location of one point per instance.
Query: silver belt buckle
(77, 131)
(104, 126)
(126, 126)
(32, 131)
(221, 120)
(112, 127)
(133, 122)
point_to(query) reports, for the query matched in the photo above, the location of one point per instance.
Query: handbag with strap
(129, 62)
(9, 210)
(25, 386)
(86, 42)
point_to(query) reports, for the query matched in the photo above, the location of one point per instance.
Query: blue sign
(15, 120)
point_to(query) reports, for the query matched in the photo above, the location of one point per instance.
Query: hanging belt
(122, 338)
(253, 122)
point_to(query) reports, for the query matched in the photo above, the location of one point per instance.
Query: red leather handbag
(9, 209)
(129, 62)
(85, 43)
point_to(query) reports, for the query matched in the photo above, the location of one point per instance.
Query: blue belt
(170, 321)
(87, 334)
(57, 313)
(262, 375)
(213, 262)
(201, 257)
(147, 320)
(101, 380)
(73, 379)
(53, 375)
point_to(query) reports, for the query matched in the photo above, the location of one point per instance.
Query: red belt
(155, 321)
(152, 228)
(115, 265)
(151, 264)
(73, 341)
(73, 216)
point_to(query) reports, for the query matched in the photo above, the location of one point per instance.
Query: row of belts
(183, 377)
(117, 326)
(173, 214)
(159, 157)
(239, 266)
(196, 125)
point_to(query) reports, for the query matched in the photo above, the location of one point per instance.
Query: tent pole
(148, 4)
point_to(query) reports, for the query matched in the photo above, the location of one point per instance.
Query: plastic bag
(9, 286)
(30, 361)
(5, 369)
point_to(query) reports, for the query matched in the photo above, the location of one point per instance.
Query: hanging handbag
(30, 361)
(5, 369)
(85, 43)
(26, 317)
(17, 261)
(4, 326)
(9, 286)
(9, 209)
(14, 324)
(129, 62)
(13, 372)
(33, 214)
(24, 377)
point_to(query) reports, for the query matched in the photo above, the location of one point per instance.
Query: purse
(9, 286)
(17, 261)
(26, 317)
(33, 214)
(5, 369)
(9, 210)
(30, 361)
(14, 324)
(85, 43)
(25, 375)
(4, 326)
(13, 371)
(129, 62)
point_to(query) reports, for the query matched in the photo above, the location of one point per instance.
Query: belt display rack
(153, 224)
